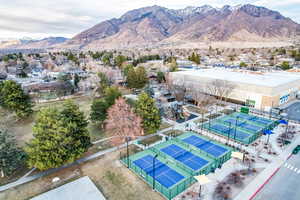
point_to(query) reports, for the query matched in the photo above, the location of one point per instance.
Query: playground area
(241, 127)
(170, 167)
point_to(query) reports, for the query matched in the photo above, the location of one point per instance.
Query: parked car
(296, 150)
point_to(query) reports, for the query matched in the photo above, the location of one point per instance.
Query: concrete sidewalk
(249, 192)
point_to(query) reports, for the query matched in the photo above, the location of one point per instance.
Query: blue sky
(43, 18)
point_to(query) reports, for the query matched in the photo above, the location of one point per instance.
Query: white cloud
(68, 17)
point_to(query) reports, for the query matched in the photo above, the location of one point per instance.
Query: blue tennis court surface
(241, 127)
(204, 145)
(243, 124)
(250, 127)
(256, 119)
(245, 116)
(224, 129)
(234, 121)
(163, 174)
(262, 121)
(187, 158)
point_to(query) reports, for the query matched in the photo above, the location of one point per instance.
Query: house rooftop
(269, 79)
(80, 189)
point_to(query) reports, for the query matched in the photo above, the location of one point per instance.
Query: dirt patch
(165, 125)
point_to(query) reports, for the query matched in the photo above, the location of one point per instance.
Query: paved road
(284, 184)
(293, 111)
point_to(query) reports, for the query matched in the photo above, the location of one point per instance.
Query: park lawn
(96, 132)
(22, 129)
(111, 177)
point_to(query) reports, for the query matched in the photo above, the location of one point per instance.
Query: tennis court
(192, 161)
(207, 146)
(243, 124)
(171, 165)
(237, 134)
(259, 120)
(163, 174)
(240, 127)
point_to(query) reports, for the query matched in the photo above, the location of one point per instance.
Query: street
(284, 184)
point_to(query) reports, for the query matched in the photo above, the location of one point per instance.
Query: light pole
(287, 127)
(127, 148)
(153, 169)
(202, 122)
(229, 132)
(236, 123)
(209, 120)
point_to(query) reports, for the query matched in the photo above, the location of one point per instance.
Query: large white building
(257, 89)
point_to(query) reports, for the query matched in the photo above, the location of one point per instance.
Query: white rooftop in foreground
(80, 189)
(269, 79)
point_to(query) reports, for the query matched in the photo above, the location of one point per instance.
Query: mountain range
(29, 43)
(158, 26)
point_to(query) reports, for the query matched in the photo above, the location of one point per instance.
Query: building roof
(80, 189)
(269, 79)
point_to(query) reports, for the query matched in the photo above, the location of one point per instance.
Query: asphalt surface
(285, 184)
(293, 111)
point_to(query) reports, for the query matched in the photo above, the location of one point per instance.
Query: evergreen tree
(173, 65)
(131, 78)
(285, 65)
(11, 156)
(13, 98)
(99, 110)
(147, 110)
(126, 69)
(111, 94)
(77, 124)
(103, 83)
(60, 137)
(243, 64)
(161, 77)
(141, 77)
(76, 80)
(197, 59)
(119, 60)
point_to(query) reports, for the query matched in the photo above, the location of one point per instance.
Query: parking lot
(293, 111)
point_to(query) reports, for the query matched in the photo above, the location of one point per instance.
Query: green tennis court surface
(241, 127)
(173, 164)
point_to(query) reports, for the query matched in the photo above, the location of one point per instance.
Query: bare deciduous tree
(177, 87)
(123, 123)
(220, 88)
(201, 96)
